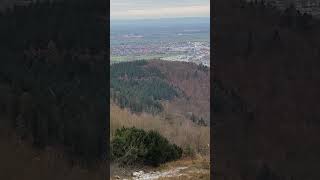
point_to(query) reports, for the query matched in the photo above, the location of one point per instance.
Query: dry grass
(198, 168)
(200, 162)
(177, 129)
(188, 177)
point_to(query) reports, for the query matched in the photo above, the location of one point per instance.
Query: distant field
(199, 37)
(133, 58)
(115, 59)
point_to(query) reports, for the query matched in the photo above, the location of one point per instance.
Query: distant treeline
(54, 99)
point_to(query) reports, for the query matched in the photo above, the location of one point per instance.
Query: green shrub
(131, 146)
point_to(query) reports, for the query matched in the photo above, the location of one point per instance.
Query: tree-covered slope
(139, 88)
(156, 86)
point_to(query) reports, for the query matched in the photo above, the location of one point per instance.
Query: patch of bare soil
(181, 169)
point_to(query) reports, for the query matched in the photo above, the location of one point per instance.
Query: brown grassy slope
(193, 82)
(198, 168)
(20, 160)
(176, 129)
(280, 79)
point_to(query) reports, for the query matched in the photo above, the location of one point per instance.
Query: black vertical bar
(108, 88)
(212, 68)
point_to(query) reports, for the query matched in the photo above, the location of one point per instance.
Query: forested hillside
(194, 83)
(139, 88)
(269, 60)
(157, 86)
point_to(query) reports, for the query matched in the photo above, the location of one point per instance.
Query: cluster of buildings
(135, 49)
(196, 51)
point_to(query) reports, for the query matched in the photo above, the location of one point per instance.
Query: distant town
(171, 42)
(197, 52)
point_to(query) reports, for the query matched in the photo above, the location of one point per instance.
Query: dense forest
(266, 101)
(139, 88)
(52, 71)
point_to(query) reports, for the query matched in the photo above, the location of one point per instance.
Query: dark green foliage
(132, 145)
(139, 88)
(133, 70)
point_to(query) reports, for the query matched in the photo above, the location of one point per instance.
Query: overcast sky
(148, 9)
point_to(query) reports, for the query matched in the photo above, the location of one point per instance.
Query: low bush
(136, 146)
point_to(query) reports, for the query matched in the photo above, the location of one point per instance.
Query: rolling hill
(156, 86)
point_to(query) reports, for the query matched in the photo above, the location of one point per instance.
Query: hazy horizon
(152, 9)
(161, 21)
